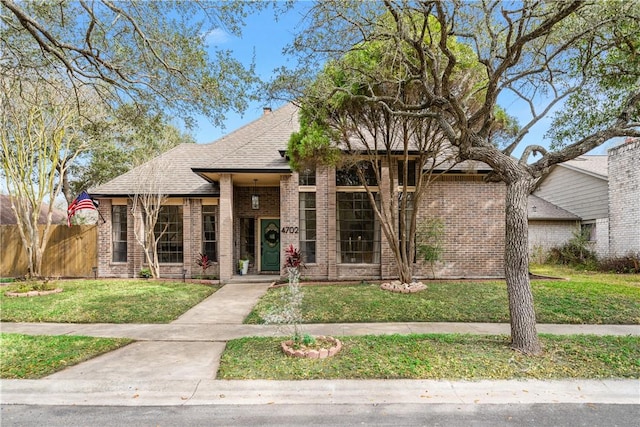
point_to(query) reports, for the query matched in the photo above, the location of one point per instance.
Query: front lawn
(106, 301)
(436, 356)
(584, 299)
(36, 356)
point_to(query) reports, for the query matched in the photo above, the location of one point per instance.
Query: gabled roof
(540, 209)
(594, 165)
(171, 172)
(256, 146)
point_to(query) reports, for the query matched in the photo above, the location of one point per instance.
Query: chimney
(266, 110)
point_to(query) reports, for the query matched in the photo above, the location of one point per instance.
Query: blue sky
(264, 38)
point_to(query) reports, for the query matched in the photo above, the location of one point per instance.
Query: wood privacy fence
(71, 252)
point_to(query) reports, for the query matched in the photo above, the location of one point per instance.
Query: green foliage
(430, 241)
(311, 145)
(437, 357)
(144, 273)
(152, 53)
(131, 137)
(108, 301)
(586, 298)
(576, 252)
(33, 357)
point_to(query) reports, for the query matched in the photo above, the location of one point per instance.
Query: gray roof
(540, 209)
(171, 172)
(253, 147)
(595, 165)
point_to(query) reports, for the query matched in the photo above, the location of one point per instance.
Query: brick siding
(624, 198)
(472, 211)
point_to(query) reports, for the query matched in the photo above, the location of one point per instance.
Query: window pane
(411, 172)
(307, 227)
(358, 230)
(349, 176)
(209, 236)
(169, 230)
(307, 177)
(119, 233)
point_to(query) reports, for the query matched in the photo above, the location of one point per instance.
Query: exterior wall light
(255, 199)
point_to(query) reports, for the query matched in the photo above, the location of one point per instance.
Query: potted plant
(243, 266)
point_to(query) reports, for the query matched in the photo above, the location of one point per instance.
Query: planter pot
(330, 347)
(244, 266)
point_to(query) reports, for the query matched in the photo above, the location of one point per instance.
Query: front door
(270, 244)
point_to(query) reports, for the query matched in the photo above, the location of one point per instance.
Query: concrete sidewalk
(176, 364)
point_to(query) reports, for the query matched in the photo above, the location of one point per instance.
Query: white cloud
(216, 36)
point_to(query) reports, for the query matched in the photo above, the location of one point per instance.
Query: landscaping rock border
(323, 353)
(403, 288)
(33, 293)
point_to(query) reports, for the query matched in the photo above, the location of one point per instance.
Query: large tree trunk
(524, 337)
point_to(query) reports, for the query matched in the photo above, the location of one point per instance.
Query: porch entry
(270, 244)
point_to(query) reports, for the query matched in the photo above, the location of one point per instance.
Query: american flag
(83, 201)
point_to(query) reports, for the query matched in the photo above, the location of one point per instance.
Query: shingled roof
(253, 147)
(595, 165)
(174, 178)
(540, 209)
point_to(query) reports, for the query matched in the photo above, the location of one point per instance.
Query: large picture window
(119, 233)
(308, 226)
(169, 228)
(209, 232)
(358, 229)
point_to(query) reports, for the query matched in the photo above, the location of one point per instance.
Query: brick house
(237, 198)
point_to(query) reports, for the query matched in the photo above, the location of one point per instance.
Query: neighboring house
(8, 217)
(604, 192)
(549, 226)
(237, 198)
(581, 186)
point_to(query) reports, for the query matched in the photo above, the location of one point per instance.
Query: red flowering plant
(293, 257)
(204, 262)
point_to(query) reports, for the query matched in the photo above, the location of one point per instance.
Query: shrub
(629, 263)
(145, 273)
(575, 252)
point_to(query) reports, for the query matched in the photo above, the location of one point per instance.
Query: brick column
(289, 212)
(225, 242)
(388, 265)
(104, 238)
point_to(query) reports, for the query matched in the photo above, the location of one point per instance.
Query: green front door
(270, 244)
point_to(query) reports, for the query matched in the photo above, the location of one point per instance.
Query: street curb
(265, 392)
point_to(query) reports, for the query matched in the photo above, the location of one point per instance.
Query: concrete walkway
(176, 364)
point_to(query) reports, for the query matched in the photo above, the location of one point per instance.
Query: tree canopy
(542, 54)
(153, 53)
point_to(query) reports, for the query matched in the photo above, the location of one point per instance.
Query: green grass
(587, 298)
(106, 301)
(36, 356)
(452, 357)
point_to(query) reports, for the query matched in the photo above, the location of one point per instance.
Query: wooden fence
(71, 252)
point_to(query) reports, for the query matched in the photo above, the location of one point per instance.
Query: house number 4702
(289, 230)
